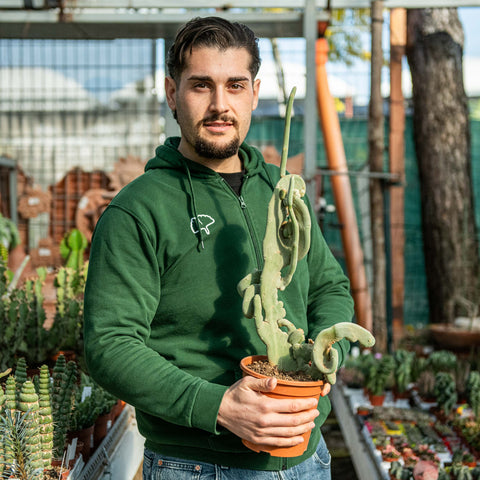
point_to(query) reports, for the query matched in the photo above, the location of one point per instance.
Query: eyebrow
(207, 78)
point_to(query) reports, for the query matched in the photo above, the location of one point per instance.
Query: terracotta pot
(69, 355)
(117, 409)
(376, 400)
(86, 437)
(400, 395)
(102, 425)
(57, 464)
(284, 389)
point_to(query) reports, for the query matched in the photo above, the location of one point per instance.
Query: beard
(213, 151)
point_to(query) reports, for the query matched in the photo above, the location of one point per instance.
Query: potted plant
(402, 372)
(351, 372)
(26, 431)
(63, 391)
(378, 377)
(473, 392)
(286, 241)
(445, 392)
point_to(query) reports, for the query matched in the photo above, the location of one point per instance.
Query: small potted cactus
(286, 241)
(445, 392)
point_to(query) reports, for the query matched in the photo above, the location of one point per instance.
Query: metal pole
(310, 113)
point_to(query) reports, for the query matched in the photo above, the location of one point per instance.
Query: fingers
(260, 384)
(325, 389)
(253, 416)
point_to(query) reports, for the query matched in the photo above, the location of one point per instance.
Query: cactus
(10, 394)
(461, 472)
(21, 321)
(45, 418)
(72, 249)
(66, 332)
(442, 361)
(20, 374)
(379, 373)
(473, 392)
(287, 241)
(20, 455)
(475, 471)
(16, 430)
(445, 391)
(29, 406)
(63, 390)
(36, 348)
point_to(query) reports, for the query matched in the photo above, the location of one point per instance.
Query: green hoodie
(164, 328)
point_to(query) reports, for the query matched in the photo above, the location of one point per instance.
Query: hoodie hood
(168, 156)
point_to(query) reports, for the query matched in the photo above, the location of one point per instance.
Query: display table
(364, 457)
(119, 455)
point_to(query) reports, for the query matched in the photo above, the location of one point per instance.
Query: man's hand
(249, 414)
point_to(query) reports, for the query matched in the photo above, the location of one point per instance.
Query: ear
(256, 92)
(170, 89)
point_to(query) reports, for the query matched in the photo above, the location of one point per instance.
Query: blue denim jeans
(160, 467)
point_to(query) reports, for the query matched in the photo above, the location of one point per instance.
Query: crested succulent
(287, 241)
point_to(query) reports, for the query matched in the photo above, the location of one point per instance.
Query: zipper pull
(242, 202)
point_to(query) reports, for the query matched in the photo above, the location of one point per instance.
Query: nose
(218, 103)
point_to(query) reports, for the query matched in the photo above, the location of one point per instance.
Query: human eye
(237, 86)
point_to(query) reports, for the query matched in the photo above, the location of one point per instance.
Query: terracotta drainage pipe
(342, 191)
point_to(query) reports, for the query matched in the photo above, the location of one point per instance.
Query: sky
(343, 81)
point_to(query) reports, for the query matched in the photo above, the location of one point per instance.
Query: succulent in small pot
(379, 374)
(286, 242)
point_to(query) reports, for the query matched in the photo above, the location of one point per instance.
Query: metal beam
(110, 24)
(108, 19)
(240, 4)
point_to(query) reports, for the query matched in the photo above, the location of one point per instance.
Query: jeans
(159, 467)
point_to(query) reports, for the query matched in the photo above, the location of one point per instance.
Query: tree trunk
(375, 160)
(442, 143)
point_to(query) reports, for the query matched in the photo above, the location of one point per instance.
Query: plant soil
(52, 473)
(265, 368)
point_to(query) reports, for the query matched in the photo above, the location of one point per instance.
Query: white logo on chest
(204, 220)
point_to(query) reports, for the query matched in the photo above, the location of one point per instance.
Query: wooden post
(375, 161)
(398, 38)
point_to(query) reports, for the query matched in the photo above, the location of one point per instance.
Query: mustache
(219, 118)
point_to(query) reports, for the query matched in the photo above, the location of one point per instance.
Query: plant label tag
(87, 392)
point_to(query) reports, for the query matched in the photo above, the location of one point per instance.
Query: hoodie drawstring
(194, 207)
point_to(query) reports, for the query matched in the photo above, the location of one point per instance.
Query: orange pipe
(342, 191)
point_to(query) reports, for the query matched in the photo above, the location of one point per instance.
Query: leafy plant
(9, 236)
(404, 360)
(286, 241)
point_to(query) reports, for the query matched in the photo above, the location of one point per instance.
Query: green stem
(286, 135)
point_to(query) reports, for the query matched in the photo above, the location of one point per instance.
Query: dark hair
(211, 32)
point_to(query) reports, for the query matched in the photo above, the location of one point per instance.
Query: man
(164, 328)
